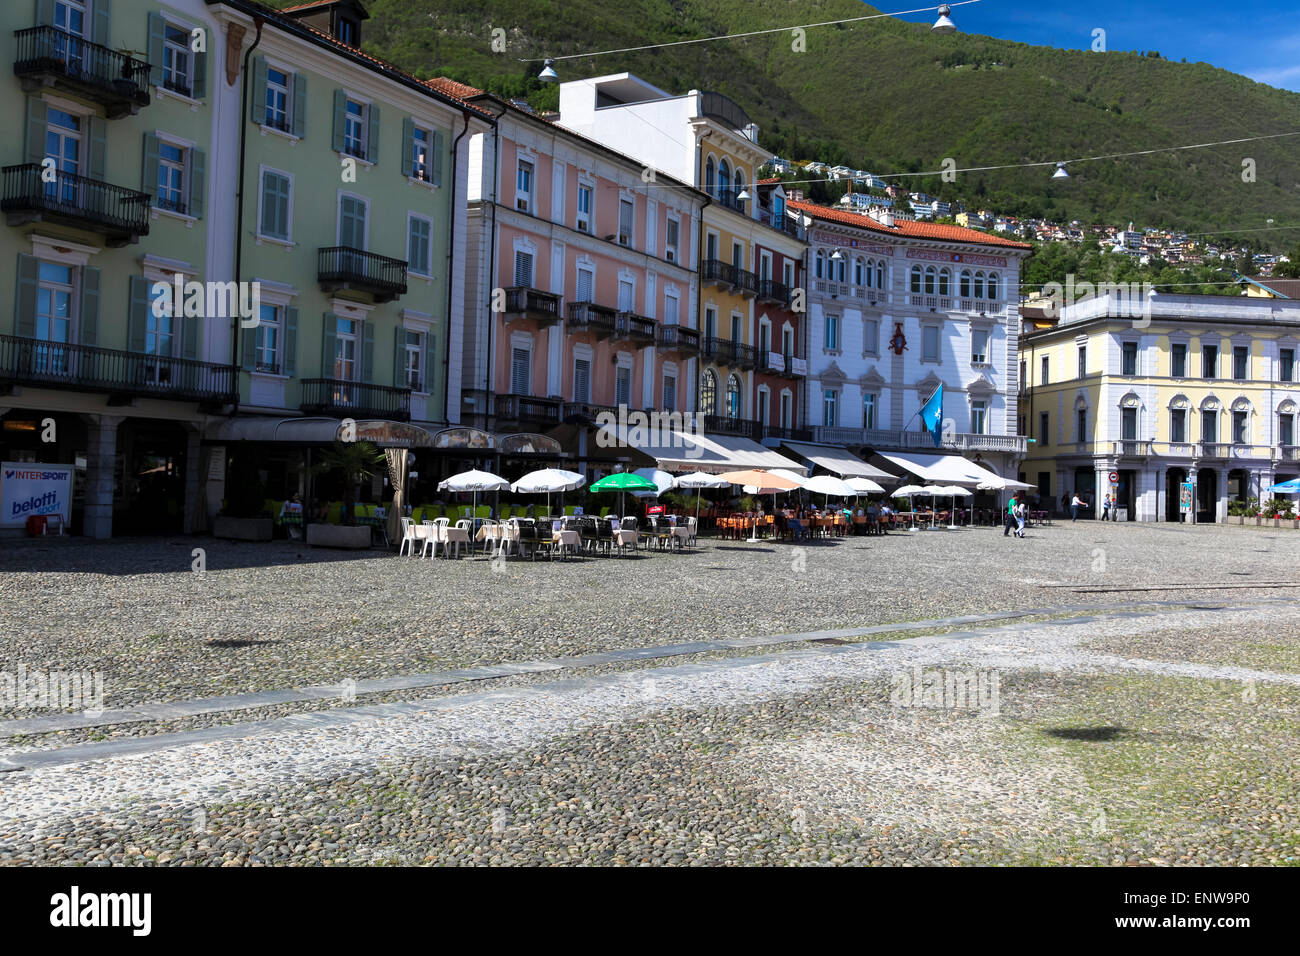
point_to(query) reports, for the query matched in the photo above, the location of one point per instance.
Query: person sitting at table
(873, 518)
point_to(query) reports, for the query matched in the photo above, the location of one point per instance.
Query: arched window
(963, 284)
(880, 274)
(733, 396)
(945, 282)
(710, 174)
(916, 279)
(857, 272)
(993, 285)
(929, 280)
(839, 268)
(724, 181)
(821, 264)
(709, 392)
(979, 284)
(740, 188)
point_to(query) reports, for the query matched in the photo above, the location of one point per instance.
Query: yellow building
(1132, 396)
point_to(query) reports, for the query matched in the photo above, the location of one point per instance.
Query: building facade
(897, 308)
(1180, 388)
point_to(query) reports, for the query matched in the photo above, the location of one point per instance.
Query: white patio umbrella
(934, 491)
(829, 485)
(864, 486)
(662, 479)
(699, 480)
(547, 481)
(474, 481)
(908, 491)
(954, 492)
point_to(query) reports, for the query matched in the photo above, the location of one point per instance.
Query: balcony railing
(787, 434)
(769, 290)
(786, 366)
(86, 368)
(525, 303)
(630, 327)
(783, 223)
(343, 267)
(680, 338)
(891, 438)
(729, 353)
(120, 214)
(1131, 448)
(1288, 452)
(527, 409)
(328, 396)
(572, 411)
(50, 57)
(725, 275)
(721, 424)
(590, 317)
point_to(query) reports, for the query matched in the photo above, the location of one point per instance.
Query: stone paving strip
(1041, 658)
(176, 710)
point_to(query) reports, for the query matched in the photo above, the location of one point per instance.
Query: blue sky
(1257, 38)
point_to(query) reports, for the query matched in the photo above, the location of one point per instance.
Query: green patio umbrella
(622, 481)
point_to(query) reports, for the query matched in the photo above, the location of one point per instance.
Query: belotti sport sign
(28, 488)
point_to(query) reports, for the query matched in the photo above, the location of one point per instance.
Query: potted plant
(243, 516)
(354, 462)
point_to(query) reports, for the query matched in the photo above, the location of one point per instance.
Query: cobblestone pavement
(1144, 710)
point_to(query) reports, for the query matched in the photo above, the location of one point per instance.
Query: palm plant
(355, 461)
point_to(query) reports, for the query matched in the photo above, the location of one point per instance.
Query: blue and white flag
(932, 414)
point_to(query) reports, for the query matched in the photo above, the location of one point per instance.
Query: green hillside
(889, 96)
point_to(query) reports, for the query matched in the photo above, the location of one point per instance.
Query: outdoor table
(567, 540)
(457, 536)
(624, 539)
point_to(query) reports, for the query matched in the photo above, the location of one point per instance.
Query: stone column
(1103, 471)
(1221, 504)
(1161, 493)
(101, 453)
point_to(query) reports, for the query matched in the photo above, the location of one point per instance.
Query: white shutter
(523, 270)
(519, 363)
(586, 283)
(624, 296)
(670, 310)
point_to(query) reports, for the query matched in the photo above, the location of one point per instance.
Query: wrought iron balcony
(730, 277)
(584, 412)
(778, 293)
(47, 57)
(590, 317)
(721, 424)
(533, 304)
(527, 409)
(328, 396)
(123, 375)
(787, 366)
(787, 434)
(679, 338)
(630, 327)
(120, 214)
(729, 353)
(342, 267)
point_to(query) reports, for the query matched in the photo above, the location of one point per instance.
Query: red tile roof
(769, 181)
(906, 227)
(449, 87)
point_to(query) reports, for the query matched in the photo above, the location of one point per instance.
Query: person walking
(1105, 508)
(1009, 518)
(1075, 504)
(1022, 511)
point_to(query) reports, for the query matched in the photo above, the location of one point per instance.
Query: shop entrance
(149, 479)
(1207, 495)
(1174, 479)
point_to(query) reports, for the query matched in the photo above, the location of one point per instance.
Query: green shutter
(100, 31)
(190, 332)
(89, 306)
(137, 315)
(45, 13)
(372, 141)
(149, 167)
(367, 351)
(436, 149)
(430, 363)
(198, 180)
(290, 364)
(329, 345)
(98, 148)
(36, 126)
(200, 90)
(300, 104)
(408, 146)
(258, 107)
(29, 277)
(340, 119)
(248, 347)
(157, 31)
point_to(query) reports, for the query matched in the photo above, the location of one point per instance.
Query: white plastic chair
(691, 530)
(408, 538)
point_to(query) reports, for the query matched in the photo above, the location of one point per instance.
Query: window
(670, 392)
(585, 196)
(267, 346)
(1042, 375)
(763, 401)
(1178, 424)
(945, 282)
(978, 417)
(1209, 425)
(176, 60)
(277, 100)
(413, 360)
(523, 269)
(738, 255)
(787, 410)
(1128, 424)
(1081, 423)
(1239, 424)
(1129, 358)
(979, 347)
(346, 365)
(422, 154)
(868, 410)
(1082, 371)
(839, 268)
(819, 266)
(670, 309)
(710, 322)
(1178, 361)
(857, 272)
(929, 280)
(880, 274)
(524, 186)
(520, 366)
(930, 343)
(832, 332)
(724, 183)
(764, 338)
(733, 396)
(1044, 427)
(354, 129)
(1286, 429)
(159, 339)
(870, 337)
(1209, 361)
(55, 300)
(711, 246)
(1286, 365)
(586, 285)
(63, 146)
(626, 220)
(277, 210)
(347, 31)
(993, 285)
(735, 327)
(963, 284)
(916, 280)
(830, 408)
(671, 228)
(352, 225)
(582, 380)
(419, 245)
(708, 393)
(710, 174)
(171, 178)
(626, 295)
(787, 342)
(623, 386)
(1240, 363)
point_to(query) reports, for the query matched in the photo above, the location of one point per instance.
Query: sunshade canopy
(839, 461)
(699, 479)
(624, 481)
(675, 450)
(1291, 487)
(548, 480)
(829, 485)
(763, 482)
(474, 481)
(864, 486)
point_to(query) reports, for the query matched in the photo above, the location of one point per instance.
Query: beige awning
(688, 451)
(837, 460)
